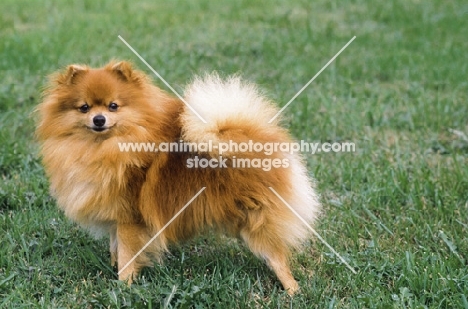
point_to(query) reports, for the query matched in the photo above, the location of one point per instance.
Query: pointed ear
(124, 69)
(70, 74)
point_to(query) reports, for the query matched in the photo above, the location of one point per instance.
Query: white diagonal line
(310, 81)
(313, 231)
(163, 80)
(161, 230)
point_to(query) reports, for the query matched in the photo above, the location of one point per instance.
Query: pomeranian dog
(87, 113)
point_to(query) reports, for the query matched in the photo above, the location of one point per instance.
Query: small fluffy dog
(87, 113)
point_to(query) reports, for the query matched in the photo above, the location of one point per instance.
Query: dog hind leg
(275, 252)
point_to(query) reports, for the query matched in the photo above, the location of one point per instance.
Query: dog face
(94, 102)
(97, 110)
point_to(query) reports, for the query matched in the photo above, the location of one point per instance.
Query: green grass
(397, 209)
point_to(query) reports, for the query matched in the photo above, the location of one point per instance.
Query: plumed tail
(234, 110)
(237, 112)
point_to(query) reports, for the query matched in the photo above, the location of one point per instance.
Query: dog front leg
(113, 246)
(131, 238)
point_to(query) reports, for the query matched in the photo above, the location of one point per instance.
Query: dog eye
(113, 107)
(84, 108)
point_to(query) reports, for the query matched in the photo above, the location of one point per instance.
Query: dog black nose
(99, 120)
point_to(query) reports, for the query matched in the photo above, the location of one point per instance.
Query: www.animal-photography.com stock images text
(233, 154)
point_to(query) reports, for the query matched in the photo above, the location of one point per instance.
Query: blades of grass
(377, 220)
(170, 297)
(465, 301)
(7, 279)
(451, 246)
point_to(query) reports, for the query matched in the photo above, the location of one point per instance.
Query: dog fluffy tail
(236, 111)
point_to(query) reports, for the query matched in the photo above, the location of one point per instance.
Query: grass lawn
(396, 209)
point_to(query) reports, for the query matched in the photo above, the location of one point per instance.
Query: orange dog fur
(87, 112)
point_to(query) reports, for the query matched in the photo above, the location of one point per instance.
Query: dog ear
(71, 73)
(124, 69)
